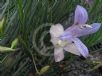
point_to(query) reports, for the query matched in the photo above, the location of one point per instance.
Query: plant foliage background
(23, 17)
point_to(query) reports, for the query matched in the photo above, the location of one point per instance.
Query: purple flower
(68, 40)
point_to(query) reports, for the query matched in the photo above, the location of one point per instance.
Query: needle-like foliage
(23, 18)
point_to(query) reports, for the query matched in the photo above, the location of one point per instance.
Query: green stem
(37, 71)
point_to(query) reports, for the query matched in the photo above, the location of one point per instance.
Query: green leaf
(6, 49)
(2, 24)
(14, 43)
(20, 10)
(44, 69)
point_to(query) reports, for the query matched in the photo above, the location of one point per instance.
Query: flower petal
(77, 31)
(72, 49)
(87, 31)
(81, 47)
(77, 48)
(81, 15)
(56, 30)
(58, 54)
(66, 35)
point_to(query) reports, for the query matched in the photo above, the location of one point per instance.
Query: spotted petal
(58, 54)
(81, 15)
(77, 48)
(72, 49)
(81, 47)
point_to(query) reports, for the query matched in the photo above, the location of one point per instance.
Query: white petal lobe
(58, 54)
(56, 30)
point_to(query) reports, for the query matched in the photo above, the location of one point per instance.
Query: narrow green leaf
(20, 10)
(2, 24)
(14, 43)
(6, 49)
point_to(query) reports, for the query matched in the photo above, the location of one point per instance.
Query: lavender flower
(80, 28)
(68, 40)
